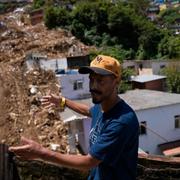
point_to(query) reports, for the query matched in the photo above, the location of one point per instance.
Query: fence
(8, 169)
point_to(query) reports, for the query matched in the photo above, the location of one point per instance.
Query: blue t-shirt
(114, 141)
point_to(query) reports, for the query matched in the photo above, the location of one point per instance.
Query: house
(158, 114)
(58, 64)
(73, 85)
(152, 82)
(33, 60)
(148, 66)
(152, 12)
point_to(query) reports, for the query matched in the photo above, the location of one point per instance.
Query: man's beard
(94, 100)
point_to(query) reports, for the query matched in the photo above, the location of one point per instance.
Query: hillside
(20, 110)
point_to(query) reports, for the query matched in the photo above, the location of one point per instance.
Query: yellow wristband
(63, 102)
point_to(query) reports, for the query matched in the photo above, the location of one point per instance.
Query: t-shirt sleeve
(111, 142)
(94, 111)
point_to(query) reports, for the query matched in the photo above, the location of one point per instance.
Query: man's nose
(93, 84)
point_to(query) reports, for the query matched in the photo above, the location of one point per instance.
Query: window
(162, 66)
(141, 66)
(78, 84)
(177, 121)
(143, 125)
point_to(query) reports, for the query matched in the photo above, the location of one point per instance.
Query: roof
(146, 78)
(138, 99)
(171, 148)
(172, 151)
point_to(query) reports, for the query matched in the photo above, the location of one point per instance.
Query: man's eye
(100, 81)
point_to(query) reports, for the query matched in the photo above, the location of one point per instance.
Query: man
(114, 132)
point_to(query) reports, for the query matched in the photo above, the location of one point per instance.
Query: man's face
(101, 87)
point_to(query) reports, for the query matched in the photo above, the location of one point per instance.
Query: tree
(50, 17)
(140, 6)
(115, 26)
(169, 16)
(38, 3)
(121, 25)
(169, 47)
(125, 84)
(173, 77)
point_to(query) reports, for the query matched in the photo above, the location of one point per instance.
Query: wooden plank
(8, 169)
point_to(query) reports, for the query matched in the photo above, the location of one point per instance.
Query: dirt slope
(20, 110)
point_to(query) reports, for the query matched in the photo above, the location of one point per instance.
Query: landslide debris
(21, 89)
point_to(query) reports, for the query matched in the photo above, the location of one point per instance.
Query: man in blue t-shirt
(113, 140)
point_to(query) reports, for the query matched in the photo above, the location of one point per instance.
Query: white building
(158, 112)
(148, 66)
(37, 60)
(74, 85)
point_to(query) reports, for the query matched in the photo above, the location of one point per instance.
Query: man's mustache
(95, 91)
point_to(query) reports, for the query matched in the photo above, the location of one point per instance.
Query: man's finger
(50, 106)
(45, 103)
(46, 97)
(19, 149)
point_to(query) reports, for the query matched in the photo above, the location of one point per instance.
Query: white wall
(53, 64)
(67, 85)
(156, 66)
(86, 127)
(161, 121)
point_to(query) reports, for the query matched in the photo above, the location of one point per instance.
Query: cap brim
(88, 70)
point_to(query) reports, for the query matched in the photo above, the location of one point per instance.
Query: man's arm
(78, 107)
(80, 162)
(30, 150)
(53, 100)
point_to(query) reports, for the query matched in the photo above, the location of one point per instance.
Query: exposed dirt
(20, 109)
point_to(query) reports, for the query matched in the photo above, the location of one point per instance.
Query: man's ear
(118, 80)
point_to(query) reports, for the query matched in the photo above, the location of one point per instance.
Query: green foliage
(38, 3)
(169, 16)
(2, 8)
(169, 47)
(50, 17)
(125, 84)
(56, 16)
(115, 51)
(148, 41)
(173, 77)
(121, 25)
(121, 29)
(174, 47)
(6, 7)
(93, 18)
(140, 6)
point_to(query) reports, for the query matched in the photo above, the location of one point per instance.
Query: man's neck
(110, 103)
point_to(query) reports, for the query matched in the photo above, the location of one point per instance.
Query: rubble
(18, 39)
(21, 113)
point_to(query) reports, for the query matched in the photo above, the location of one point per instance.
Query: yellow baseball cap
(103, 65)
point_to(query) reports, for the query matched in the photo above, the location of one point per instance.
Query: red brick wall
(152, 85)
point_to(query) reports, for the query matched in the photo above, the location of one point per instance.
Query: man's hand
(50, 101)
(29, 150)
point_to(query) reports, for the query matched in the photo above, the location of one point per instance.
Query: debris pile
(18, 39)
(21, 113)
